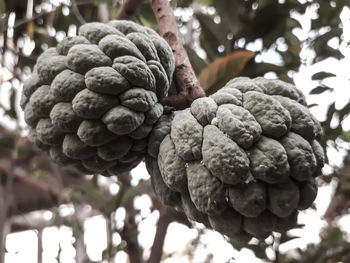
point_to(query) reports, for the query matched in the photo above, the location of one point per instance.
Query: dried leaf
(219, 72)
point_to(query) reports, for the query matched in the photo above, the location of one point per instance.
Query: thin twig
(129, 9)
(187, 85)
(76, 12)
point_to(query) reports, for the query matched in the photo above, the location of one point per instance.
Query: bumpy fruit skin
(242, 161)
(92, 101)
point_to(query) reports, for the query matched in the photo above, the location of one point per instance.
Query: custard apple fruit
(242, 161)
(92, 101)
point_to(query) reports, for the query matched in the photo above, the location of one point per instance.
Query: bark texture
(187, 85)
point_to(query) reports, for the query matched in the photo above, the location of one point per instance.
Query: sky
(22, 246)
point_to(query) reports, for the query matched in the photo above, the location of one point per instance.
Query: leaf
(344, 112)
(146, 15)
(218, 31)
(259, 250)
(270, 22)
(219, 72)
(285, 237)
(212, 36)
(322, 75)
(184, 3)
(319, 90)
(209, 44)
(197, 62)
(253, 69)
(238, 245)
(320, 42)
(2, 7)
(312, 105)
(346, 135)
(231, 13)
(292, 23)
(206, 2)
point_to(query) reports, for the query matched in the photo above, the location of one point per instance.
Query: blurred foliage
(333, 247)
(224, 39)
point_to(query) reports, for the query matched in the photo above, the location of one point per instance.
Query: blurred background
(50, 215)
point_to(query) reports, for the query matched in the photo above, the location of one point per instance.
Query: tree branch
(129, 9)
(167, 215)
(76, 12)
(129, 234)
(162, 227)
(6, 196)
(185, 79)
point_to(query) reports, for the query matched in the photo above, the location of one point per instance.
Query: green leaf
(346, 135)
(344, 112)
(312, 105)
(231, 13)
(2, 8)
(238, 245)
(197, 62)
(322, 75)
(319, 90)
(293, 23)
(212, 36)
(285, 237)
(219, 72)
(146, 15)
(206, 2)
(253, 69)
(270, 22)
(184, 3)
(263, 3)
(259, 250)
(321, 47)
(218, 30)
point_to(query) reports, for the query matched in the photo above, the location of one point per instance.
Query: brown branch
(185, 79)
(129, 234)
(162, 227)
(167, 215)
(77, 13)
(6, 196)
(129, 9)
